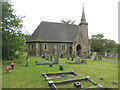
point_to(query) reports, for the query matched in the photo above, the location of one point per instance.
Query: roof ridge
(58, 23)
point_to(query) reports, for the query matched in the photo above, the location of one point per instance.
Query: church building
(51, 38)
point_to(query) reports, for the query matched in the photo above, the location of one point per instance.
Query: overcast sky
(101, 15)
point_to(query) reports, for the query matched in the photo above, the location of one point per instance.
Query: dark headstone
(56, 59)
(61, 55)
(99, 57)
(47, 58)
(115, 83)
(101, 78)
(72, 58)
(43, 56)
(50, 58)
(61, 67)
(83, 61)
(27, 60)
(50, 64)
(36, 61)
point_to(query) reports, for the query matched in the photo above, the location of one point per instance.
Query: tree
(98, 36)
(100, 45)
(97, 43)
(110, 45)
(13, 41)
(67, 21)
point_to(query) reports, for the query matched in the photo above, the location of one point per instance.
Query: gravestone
(94, 55)
(61, 67)
(43, 56)
(27, 60)
(83, 61)
(36, 61)
(111, 54)
(106, 54)
(77, 60)
(61, 55)
(72, 58)
(99, 57)
(68, 57)
(50, 58)
(50, 64)
(47, 58)
(56, 60)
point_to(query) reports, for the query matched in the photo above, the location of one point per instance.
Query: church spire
(83, 15)
(83, 19)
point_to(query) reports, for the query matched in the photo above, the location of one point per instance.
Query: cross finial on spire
(83, 19)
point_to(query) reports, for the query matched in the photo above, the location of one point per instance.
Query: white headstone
(77, 59)
(94, 55)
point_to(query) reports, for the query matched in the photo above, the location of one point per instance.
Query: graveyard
(33, 76)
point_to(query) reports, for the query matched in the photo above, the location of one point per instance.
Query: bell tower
(84, 34)
(80, 45)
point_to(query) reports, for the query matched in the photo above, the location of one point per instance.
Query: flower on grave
(14, 64)
(7, 69)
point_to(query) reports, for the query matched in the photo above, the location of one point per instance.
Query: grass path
(30, 77)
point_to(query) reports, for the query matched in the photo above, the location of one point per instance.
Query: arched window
(31, 46)
(45, 46)
(63, 47)
(78, 50)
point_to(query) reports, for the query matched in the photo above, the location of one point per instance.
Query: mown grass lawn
(30, 77)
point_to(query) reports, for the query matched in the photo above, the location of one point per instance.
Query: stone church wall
(39, 49)
(31, 49)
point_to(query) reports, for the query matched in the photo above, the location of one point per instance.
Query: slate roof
(54, 32)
